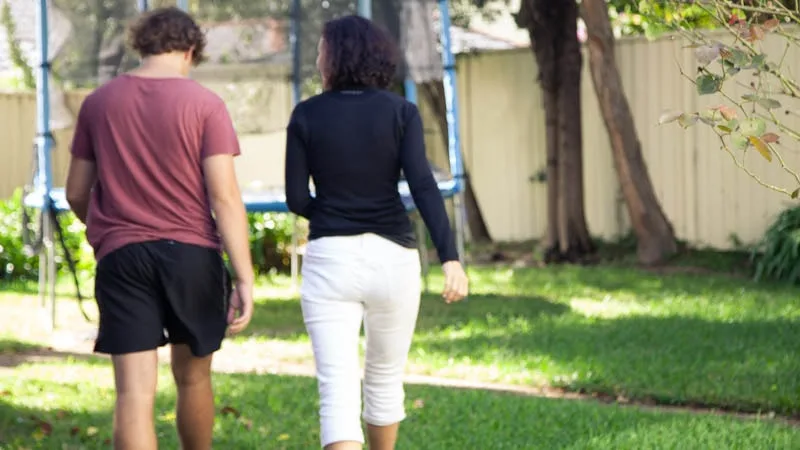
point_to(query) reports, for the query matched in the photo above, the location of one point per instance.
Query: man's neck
(155, 67)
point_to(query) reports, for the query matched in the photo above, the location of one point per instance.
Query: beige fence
(707, 198)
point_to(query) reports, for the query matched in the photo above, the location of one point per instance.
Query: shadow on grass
(284, 319)
(280, 412)
(14, 353)
(745, 366)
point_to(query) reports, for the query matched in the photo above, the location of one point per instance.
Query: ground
(600, 357)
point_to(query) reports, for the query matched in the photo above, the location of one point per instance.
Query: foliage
(270, 243)
(14, 49)
(652, 18)
(778, 255)
(16, 264)
(752, 121)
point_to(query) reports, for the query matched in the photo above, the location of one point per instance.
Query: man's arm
(80, 181)
(82, 167)
(220, 146)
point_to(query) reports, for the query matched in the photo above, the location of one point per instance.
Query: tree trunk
(552, 27)
(433, 91)
(654, 234)
(573, 232)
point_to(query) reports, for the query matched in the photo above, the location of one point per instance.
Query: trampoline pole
(44, 146)
(453, 127)
(50, 247)
(294, 40)
(183, 4)
(143, 5)
(365, 8)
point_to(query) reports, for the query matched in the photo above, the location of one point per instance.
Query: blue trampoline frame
(47, 198)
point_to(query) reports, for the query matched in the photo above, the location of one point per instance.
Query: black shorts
(153, 293)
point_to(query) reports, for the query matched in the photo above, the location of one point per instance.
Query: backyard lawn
(620, 333)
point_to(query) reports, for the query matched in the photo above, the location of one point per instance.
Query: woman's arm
(424, 189)
(298, 195)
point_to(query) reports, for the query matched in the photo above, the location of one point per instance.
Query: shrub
(271, 241)
(16, 262)
(777, 256)
(270, 244)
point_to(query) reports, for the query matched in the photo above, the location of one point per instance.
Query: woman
(361, 262)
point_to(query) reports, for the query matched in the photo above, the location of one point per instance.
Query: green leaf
(739, 141)
(708, 83)
(724, 129)
(750, 97)
(769, 103)
(758, 61)
(753, 127)
(795, 193)
(737, 57)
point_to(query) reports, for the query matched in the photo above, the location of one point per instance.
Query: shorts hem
(111, 349)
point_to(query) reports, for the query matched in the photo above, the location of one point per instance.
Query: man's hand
(240, 310)
(456, 284)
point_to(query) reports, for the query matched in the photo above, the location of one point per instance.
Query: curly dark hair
(358, 53)
(166, 30)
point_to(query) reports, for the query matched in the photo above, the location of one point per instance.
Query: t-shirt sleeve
(219, 135)
(82, 145)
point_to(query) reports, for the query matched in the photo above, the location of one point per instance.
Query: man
(152, 156)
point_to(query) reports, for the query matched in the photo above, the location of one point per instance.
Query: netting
(250, 45)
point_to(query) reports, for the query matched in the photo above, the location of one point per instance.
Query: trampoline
(411, 23)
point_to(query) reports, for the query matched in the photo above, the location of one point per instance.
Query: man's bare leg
(195, 410)
(135, 377)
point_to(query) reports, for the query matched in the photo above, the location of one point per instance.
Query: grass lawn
(707, 339)
(678, 338)
(67, 404)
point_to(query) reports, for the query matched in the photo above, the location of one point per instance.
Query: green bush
(777, 257)
(270, 243)
(16, 264)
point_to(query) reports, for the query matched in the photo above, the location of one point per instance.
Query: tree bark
(573, 232)
(654, 234)
(433, 91)
(552, 27)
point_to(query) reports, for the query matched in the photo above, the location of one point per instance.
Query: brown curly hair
(166, 30)
(357, 54)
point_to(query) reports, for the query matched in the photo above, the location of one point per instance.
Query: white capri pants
(347, 280)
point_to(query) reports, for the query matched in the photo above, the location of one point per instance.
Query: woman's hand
(456, 284)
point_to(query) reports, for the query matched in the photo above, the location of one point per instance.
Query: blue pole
(44, 142)
(183, 4)
(297, 68)
(365, 8)
(410, 89)
(142, 5)
(451, 98)
(453, 128)
(294, 41)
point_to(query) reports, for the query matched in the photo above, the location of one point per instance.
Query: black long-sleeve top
(354, 144)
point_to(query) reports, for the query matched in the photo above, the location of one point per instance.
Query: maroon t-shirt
(148, 137)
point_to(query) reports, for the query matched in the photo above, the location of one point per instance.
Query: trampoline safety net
(249, 44)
